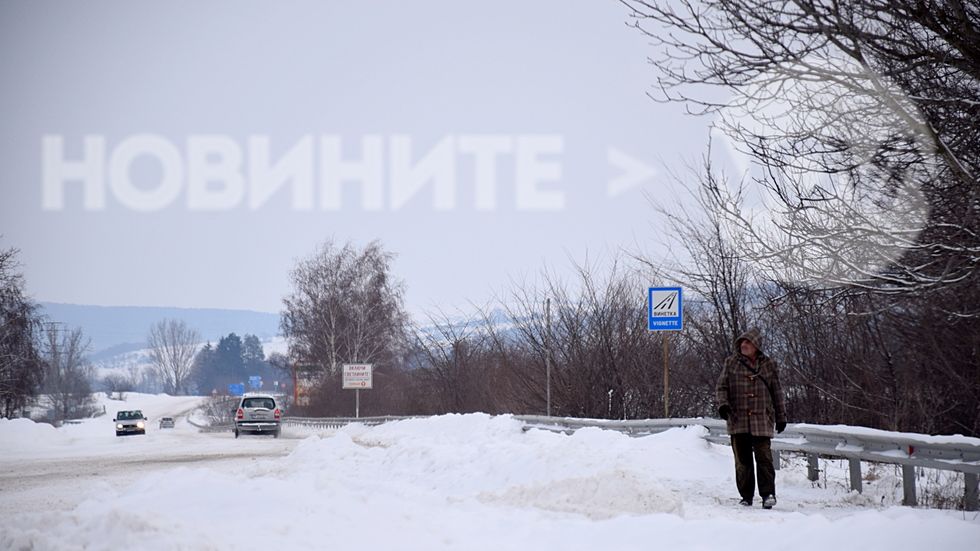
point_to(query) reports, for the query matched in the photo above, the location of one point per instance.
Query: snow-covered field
(467, 482)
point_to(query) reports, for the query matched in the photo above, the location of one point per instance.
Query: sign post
(666, 313)
(358, 376)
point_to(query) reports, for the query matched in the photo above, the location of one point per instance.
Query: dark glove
(781, 426)
(724, 411)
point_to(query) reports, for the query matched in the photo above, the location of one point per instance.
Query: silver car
(130, 422)
(258, 413)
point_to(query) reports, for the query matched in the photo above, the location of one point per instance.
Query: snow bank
(27, 436)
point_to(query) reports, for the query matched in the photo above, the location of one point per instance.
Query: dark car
(130, 422)
(258, 414)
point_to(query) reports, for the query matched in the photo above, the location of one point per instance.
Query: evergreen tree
(253, 356)
(204, 375)
(232, 361)
(229, 357)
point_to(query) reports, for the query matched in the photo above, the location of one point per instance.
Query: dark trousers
(745, 446)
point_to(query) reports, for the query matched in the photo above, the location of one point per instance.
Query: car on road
(258, 414)
(130, 422)
(167, 422)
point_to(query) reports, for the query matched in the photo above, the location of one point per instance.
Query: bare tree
(68, 382)
(456, 371)
(172, 347)
(861, 213)
(21, 366)
(219, 410)
(863, 116)
(604, 359)
(118, 383)
(849, 357)
(718, 280)
(721, 297)
(346, 307)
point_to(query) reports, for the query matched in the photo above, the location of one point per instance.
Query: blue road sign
(236, 390)
(666, 308)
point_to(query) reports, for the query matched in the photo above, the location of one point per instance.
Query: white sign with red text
(357, 376)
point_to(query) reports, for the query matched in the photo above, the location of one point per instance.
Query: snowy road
(462, 482)
(56, 470)
(41, 484)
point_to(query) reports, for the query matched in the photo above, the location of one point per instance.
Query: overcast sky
(187, 153)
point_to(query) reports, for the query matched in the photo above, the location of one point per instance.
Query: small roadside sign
(666, 308)
(358, 376)
(306, 376)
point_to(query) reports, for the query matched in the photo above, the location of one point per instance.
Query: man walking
(751, 399)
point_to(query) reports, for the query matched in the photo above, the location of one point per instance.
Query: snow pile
(471, 482)
(553, 472)
(26, 436)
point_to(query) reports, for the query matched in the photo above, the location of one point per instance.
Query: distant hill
(118, 329)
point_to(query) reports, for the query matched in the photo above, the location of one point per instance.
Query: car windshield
(259, 403)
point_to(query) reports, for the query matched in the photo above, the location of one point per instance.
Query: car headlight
(139, 424)
(119, 425)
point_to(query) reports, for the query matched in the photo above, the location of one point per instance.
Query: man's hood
(753, 335)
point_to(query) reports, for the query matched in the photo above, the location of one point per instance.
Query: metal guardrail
(636, 427)
(852, 443)
(314, 422)
(338, 422)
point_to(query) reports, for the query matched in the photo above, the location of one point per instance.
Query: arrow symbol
(634, 172)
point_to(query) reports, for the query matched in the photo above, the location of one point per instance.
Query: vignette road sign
(666, 308)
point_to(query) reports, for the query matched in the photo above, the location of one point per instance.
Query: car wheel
(236, 433)
(275, 434)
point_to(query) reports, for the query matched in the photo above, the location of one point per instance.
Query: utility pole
(547, 353)
(54, 383)
(54, 342)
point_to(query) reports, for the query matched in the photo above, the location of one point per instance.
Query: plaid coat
(752, 391)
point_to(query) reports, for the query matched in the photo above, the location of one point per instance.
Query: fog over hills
(118, 329)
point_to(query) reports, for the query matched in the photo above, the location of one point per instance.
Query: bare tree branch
(172, 346)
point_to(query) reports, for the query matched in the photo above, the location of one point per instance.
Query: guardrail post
(970, 498)
(812, 467)
(908, 486)
(855, 465)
